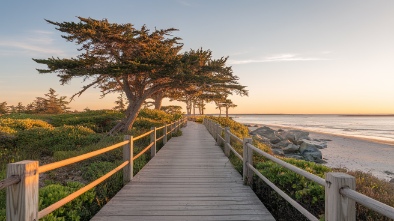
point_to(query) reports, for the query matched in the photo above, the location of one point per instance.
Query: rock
(313, 156)
(267, 133)
(392, 181)
(256, 125)
(295, 136)
(317, 144)
(310, 152)
(295, 156)
(278, 152)
(282, 144)
(280, 130)
(261, 139)
(291, 148)
(275, 140)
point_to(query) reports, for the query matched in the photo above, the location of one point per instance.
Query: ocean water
(379, 128)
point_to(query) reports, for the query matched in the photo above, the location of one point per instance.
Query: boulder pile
(291, 143)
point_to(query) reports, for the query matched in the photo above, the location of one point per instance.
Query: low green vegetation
(309, 194)
(53, 137)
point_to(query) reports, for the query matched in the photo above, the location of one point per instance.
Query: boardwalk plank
(188, 179)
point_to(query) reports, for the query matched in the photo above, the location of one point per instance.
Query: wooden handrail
(335, 183)
(142, 135)
(235, 137)
(368, 202)
(29, 166)
(143, 151)
(295, 169)
(9, 181)
(79, 192)
(235, 152)
(294, 203)
(52, 166)
(159, 128)
(160, 138)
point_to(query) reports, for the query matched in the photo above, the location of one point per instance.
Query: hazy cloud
(277, 58)
(185, 3)
(33, 43)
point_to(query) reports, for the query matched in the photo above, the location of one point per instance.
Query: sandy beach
(356, 154)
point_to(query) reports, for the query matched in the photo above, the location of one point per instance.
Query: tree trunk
(220, 111)
(131, 115)
(227, 111)
(158, 103)
(158, 98)
(188, 107)
(194, 108)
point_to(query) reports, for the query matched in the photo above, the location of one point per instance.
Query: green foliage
(239, 130)
(32, 137)
(375, 188)
(23, 124)
(78, 209)
(99, 121)
(47, 140)
(158, 115)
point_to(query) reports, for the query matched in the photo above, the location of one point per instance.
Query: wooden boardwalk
(189, 179)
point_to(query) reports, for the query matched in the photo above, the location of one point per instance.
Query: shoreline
(389, 143)
(353, 153)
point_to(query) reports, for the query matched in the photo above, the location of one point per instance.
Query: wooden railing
(23, 177)
(340, 194)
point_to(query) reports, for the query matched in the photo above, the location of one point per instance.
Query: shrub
(236, 128)
(23, 124)
(47, 140)
(158, 115)
(99, 120)
(108, 188)
(78, 209)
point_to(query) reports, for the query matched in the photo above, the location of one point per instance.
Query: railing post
(227, 141)
(22, 198)
(247, 158)
(338, 207)
(165, 134)
(219, 141)
(128, 156)
(153, 139)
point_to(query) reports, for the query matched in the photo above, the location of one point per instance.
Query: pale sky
(294, 56)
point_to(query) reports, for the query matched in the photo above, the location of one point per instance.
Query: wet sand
(353, 153)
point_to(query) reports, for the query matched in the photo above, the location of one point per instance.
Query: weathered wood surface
(188, 179)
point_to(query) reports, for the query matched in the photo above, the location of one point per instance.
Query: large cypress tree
(139, 62)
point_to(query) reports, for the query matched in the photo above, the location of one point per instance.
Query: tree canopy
(138, 62)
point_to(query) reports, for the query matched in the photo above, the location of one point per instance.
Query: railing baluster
(247, 158)
(128, 156)
(337, 206)
(153, 140)
(227, 141)
(22, 198)
(165, 134)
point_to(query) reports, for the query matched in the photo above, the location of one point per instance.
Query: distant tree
(53, 104)
(172, 109)
(39, 105)
(20, 108)
(12, 109)
(4, 108)
(228, 104)
(120, 103)
(30, 108)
